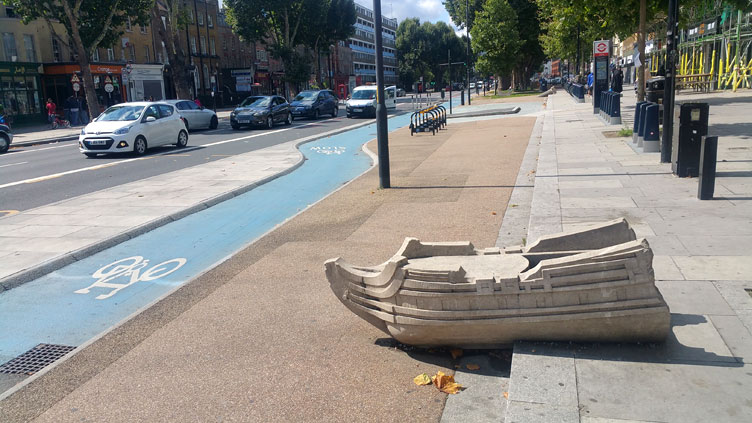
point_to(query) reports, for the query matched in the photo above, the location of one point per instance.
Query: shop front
(108, 83)
(20, 93)
(145, 82)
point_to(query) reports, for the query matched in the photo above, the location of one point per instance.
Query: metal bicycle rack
(429, 119)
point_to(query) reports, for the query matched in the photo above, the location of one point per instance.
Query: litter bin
(443, 93)
(654, 89)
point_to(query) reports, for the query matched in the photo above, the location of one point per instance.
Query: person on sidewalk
(84, 115)
(617, 80)
(590, 84)
(197, 101)
(51, 111)
(72, 105)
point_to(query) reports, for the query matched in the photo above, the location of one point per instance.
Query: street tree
(421, 48)
(335, 24)
(169, 18)
(495, 39)
(456, 10)
(88, 24)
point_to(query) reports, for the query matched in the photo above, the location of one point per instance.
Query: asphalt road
(34, 176)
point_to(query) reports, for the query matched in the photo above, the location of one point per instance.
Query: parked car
(313, 104)
(195, 116)
(472, 85)
(6, 137)
(133, 127)
(400, 92)
(261, 111)
(363, 100)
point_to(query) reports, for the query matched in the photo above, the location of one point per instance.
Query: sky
(426, 10)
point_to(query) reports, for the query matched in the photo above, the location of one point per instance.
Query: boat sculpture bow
(595, 284)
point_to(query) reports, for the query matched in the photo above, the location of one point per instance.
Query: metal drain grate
(35, 359)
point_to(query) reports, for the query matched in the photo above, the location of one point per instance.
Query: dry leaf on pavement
(506, 394)
(472, 366)
(422, 379)
(446, 383)
(456, 352)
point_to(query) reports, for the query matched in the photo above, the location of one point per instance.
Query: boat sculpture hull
(594, 285)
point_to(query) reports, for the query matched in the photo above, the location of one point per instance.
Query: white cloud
(425, 10)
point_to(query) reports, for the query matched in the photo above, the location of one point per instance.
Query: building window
(128, 24)
(200, 19)
(212, 49)
(261, 55)
(9, 42)
(110, 54)
(31, 52)
(147, 59)
(95, 55)
(143, 29)
(203, 45)
(209, 21)
(190, 15)
(9, 12)
(207, 81)
(55, 50)
(224, 43)
(193, 44)
(132, 52)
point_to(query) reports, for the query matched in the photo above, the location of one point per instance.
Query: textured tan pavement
(262, 338)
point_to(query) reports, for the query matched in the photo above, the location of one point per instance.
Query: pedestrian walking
(84, 115)
(590, 83)
(617, 80)
(197, 101)
(72, 105)
(51, 111)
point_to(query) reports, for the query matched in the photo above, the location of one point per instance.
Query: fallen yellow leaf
(493, 213)
(472, 366)
(446, 383)
(506, 394)
(452, 388)
(456, 352)
(422, 379)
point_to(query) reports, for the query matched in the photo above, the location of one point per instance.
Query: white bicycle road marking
(329, 150)
(132, 267)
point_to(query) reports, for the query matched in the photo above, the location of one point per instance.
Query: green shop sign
(18, 69)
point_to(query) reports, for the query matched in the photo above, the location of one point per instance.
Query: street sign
(74, 79)
(601, 48)
(76, 86)
(109, 88)
(107, 80)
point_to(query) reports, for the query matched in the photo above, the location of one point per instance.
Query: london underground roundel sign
(600, 48)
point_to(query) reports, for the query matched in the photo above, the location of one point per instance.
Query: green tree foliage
(89, 24)
(421, 48)
(286, 25)
(495, 38)
(456, 9)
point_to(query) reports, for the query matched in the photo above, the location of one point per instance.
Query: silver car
(195, 116)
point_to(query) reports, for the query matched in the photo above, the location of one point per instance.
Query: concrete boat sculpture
(595, 284)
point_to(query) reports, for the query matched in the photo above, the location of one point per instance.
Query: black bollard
(708, 158)
(636, 125)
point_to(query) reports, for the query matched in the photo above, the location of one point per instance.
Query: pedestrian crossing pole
(382, 129)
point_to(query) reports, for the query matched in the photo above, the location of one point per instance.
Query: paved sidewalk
(703, 264)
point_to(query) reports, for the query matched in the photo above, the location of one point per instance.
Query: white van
(363, 100)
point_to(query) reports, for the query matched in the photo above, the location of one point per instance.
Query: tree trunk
(641, 49)
(175, 55)
(83, 60)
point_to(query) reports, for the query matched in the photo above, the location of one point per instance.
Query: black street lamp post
(382, 129)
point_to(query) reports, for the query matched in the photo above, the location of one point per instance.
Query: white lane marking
(14, 164)
(15, 153)
(182, 150)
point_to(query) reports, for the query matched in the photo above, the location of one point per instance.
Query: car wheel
(185, 122)
(349, 116)
(4, 144)
(269, 122)
(139, 146)
(214, 123)
(289, 119)
(182, 139)
(90, 155)
(316, 114)
(335, 112)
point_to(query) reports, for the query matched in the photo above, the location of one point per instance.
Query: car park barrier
(650, 141)
(610, 107)
(641, 126)
(636, 125)
(577, 91)
(429, 119)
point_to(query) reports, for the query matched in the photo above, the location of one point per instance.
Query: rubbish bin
(443, 93)
(654, 89)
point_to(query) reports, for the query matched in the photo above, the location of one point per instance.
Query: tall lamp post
(467, 28)
(382, 130)
(668, 83)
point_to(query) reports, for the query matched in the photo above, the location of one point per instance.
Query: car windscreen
(256, 102)
(121, 113)
(364, 95)
(305, 96)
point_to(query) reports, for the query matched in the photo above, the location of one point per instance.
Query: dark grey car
(261, 111)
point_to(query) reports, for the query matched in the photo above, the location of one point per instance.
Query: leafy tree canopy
(495, 38)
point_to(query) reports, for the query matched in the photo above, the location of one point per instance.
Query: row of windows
(202, 41)
(10, 49)
(143, 28)
(365, 66)
(372, 46)
(191, 19)
(364, 11)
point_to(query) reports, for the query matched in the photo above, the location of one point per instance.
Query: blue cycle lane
(82, 300)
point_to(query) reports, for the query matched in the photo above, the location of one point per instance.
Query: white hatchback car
(195, 116)
(133, 127)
